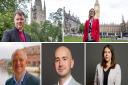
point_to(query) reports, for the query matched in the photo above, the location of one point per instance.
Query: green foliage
(7, 6)
(81, 29)
(44, 32)
(56, 17)
(7, 9)
(50, 33)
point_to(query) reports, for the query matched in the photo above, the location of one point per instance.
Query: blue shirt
(20, 82)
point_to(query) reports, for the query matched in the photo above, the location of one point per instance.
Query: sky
(111, 11)
(6, 49)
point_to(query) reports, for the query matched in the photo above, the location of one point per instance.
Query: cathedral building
(37, 13)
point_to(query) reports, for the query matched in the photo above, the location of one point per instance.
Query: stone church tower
(97, 9)
(37, 13)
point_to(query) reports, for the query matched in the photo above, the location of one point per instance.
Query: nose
(60, 63)
(19, 20)
(18, 62)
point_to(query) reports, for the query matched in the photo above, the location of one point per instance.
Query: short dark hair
(113, 62)
(19, 12)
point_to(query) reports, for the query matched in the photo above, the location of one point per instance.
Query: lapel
(12, 82)
(26, 37)
(72, 81)
(100, 73)
(111, 75)
(17, 38)
(26, 77)
(88, 22)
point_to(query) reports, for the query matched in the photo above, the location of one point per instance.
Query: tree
(56, 17)
(81, 28)
(7, 9)
(33, 30)
(50, 32)
(44, 32)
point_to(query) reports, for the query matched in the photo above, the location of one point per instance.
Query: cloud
(111, 11)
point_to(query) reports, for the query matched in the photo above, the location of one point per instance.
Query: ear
(72, 63)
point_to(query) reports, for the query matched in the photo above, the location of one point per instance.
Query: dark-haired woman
(108, 72)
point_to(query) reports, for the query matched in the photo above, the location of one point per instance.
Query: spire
(44, 5)
(38, 13)
(96, 3)
(97, 9)
(44, 11)
(123, 21)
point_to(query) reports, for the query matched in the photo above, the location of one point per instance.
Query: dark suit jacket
(95, 30)
(12, 36)
(28, 80)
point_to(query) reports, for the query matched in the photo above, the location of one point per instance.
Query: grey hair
(19, 50)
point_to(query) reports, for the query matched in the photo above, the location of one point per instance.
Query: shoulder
(27, 34)
(28, 37)
(87, 20)
(96, 19)
(74, 82)
(32, 78)
(117, 66)
(10, 30)
(9, 81)
(98, 65)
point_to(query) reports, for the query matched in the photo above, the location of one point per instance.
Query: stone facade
(33, 54)
(71, 23)
(118, 30)
(97, 9)
(37, 13)
(108, 30)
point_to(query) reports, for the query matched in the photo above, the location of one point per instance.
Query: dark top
(13, 36)
(106, 73)
(28, 80)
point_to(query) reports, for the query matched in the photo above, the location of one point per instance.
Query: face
(92, 13)
(19, 21)
(63, 62)
(19, 62)
(107, 54)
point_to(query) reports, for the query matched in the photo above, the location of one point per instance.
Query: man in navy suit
(20, 75)
(17, 34)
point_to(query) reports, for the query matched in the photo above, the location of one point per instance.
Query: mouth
(60, 70)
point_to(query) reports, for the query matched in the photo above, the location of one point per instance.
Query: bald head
(64, 50)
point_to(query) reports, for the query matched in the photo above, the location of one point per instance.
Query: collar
(22, 78)
(66, 81)
(19, 30)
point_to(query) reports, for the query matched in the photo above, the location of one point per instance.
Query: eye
(64, 58)
(21, 19)
(56, 60)
(17, 19)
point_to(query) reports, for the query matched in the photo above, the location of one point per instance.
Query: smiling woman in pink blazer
(91, 28)
(108, 72)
